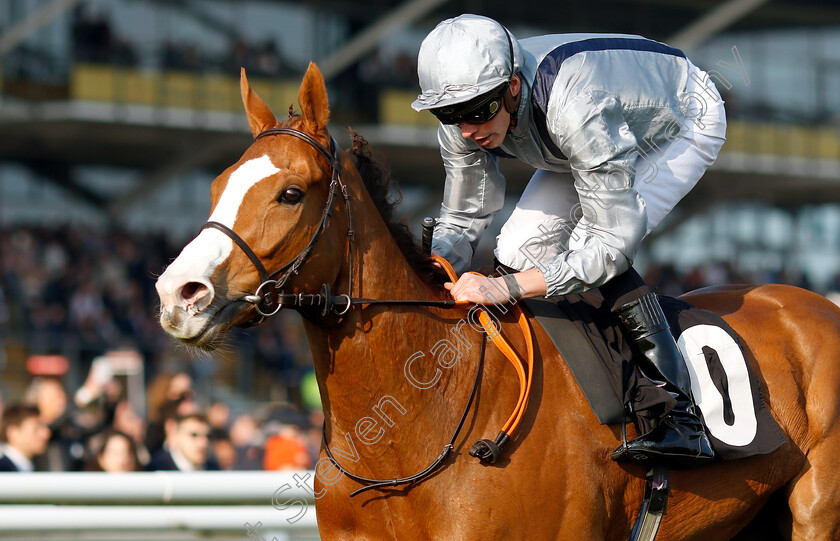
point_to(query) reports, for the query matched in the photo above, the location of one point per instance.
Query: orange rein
(496, 338)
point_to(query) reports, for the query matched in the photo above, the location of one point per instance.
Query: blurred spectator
(128, 422)
(375, 72)
(286, 444)
(165, 387)
(95, 41)
(218, 415)
(268, 61)
(167, 396)
(240, 56)
(25, 436)
(91, 34)
(287, 449)
(47, 394)
(264, 60)
(181, 57)
(223, 450)
(159, 434)
(188, 448)
(4, 313)
(109, 275)
(282, 348)
(180, 386)
(221, 446)
(115, 453)
(71, 423)
(247, 439)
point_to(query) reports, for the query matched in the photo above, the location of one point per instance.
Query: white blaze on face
(211, 247)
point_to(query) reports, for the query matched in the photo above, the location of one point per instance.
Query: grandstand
(117, 114)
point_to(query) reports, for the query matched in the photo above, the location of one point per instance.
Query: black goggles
(476, 111)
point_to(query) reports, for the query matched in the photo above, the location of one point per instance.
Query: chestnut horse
(392, 401)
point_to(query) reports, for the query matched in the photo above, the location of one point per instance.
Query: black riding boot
(679, 440)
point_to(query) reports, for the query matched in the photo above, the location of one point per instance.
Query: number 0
(706, 394)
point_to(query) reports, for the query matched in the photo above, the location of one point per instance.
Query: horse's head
(271, 201)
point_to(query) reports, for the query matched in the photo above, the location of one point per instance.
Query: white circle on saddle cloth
(709, 399)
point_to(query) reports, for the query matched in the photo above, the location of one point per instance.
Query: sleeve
(474, 192)
(592, 131)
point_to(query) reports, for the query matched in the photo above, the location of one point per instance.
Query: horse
(393, 396)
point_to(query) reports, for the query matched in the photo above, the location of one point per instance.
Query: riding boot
(679, 440)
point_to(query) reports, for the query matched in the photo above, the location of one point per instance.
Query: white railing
(245, 505)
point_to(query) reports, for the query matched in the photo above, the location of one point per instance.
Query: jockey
(619, 128)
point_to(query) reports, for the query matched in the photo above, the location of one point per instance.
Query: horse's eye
(290, 195)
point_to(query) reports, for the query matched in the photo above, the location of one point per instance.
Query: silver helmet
(463, 58)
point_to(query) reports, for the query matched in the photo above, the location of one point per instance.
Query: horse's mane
(386, 196)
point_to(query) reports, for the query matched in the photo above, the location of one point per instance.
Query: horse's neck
(361, 364)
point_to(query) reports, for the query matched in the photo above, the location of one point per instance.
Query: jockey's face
(492, 133)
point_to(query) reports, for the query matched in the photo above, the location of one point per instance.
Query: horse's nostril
(195, 297)
(192, 291)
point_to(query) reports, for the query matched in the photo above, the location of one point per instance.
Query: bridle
(270, 297)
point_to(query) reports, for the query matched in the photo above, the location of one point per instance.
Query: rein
(269, 298)
(428, 470)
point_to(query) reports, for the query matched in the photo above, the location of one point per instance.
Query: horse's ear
(313, 101)
(260, 117)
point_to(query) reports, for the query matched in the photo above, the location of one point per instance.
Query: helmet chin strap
(512, 106)
(511, 102)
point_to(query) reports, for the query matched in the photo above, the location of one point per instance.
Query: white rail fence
(262, 506)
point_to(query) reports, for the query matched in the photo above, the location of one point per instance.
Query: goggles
(476, 111)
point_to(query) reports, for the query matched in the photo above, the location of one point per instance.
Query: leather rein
(269, 298)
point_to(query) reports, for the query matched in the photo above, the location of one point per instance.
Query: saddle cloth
(726, 391)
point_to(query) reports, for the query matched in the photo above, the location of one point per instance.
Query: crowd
(95, 40)
(92, 287)
(76, 293)
(96, 429)
(33, 71)
(91, 290)
(356, 92)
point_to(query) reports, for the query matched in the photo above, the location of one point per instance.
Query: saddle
(727, 393)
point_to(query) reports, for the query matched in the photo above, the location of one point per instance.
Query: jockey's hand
(479, 289)
(482, 289)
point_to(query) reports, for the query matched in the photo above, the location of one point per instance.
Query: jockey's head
(465, 67)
